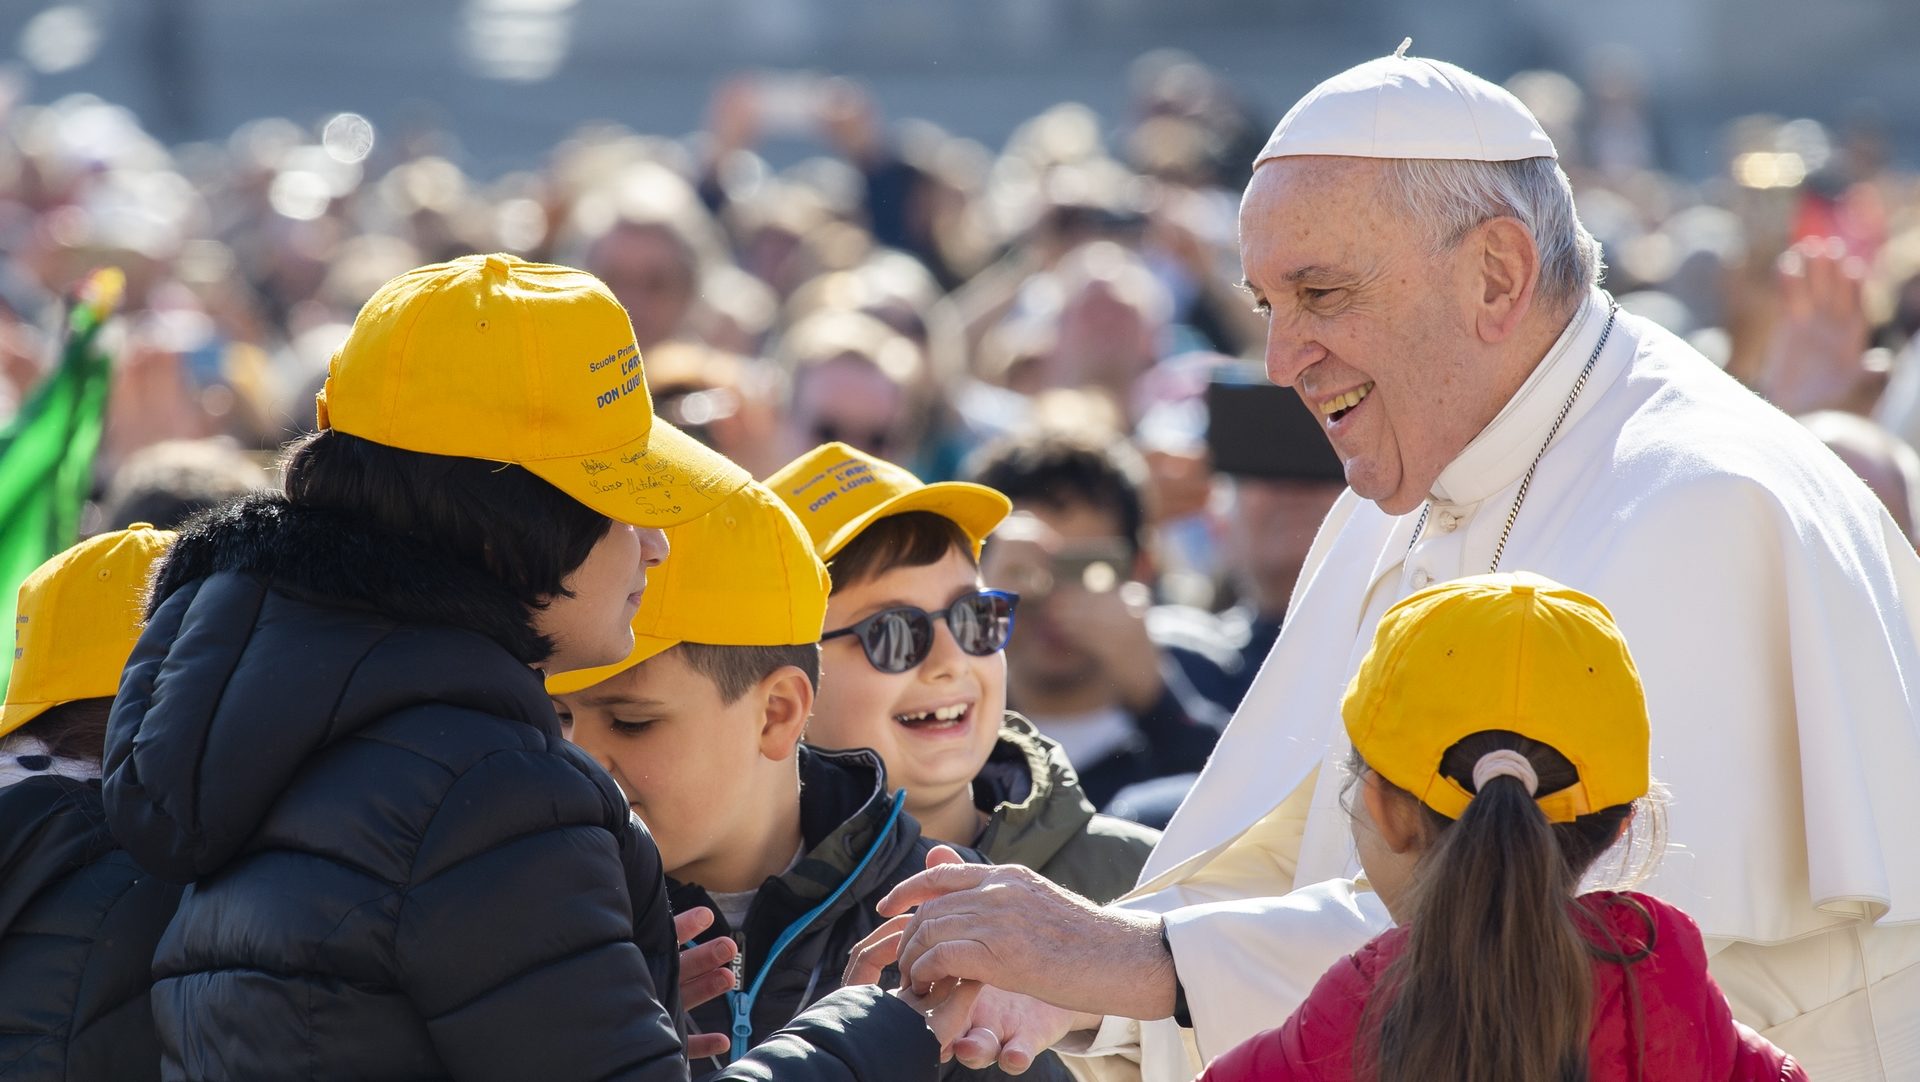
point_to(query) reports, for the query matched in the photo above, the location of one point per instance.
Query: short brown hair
(908, 539)
(734, 670)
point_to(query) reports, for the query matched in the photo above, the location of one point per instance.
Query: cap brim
(976, 509)
(662, 479)
(644, 647)
(14, 715)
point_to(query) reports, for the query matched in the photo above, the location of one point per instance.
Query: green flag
(46, 452)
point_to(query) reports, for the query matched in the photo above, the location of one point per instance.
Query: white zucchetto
(1409, 107)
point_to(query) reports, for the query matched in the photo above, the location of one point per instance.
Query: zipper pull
(739, 1006)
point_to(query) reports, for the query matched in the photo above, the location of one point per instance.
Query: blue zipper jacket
(858, 845)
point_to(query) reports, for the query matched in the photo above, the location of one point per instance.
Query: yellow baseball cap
(79, 616)
(838, 490)
(1516, 652)
(496, 358)
(744, 574)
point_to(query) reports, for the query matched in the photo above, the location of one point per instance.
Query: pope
(1431, 295)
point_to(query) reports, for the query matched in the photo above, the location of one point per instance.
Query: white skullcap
(1409, 107)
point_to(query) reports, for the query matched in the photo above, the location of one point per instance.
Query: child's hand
(948, 1008)
(704, 974)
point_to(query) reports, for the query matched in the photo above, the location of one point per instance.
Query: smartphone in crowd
(1260, 430)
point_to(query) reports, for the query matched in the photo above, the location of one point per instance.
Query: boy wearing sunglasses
(789, 847)
(914, 668)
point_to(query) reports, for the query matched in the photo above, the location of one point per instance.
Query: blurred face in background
(1111, 321)
(1269, 531)
(651, 274)
(1052, 556)
(849, 399)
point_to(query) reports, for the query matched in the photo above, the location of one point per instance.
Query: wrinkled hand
(881, 948)
(704, 974)
(1003, 1028)
(1010, 927)
(1817, 355)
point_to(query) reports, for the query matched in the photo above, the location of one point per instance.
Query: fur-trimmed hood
(277, 633)
(337, 559)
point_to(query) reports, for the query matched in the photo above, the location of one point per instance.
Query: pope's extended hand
(1003, 1028)
(1010, 927)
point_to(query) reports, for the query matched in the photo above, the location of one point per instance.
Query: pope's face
(1372, 328)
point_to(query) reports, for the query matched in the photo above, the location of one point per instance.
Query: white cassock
(1770, 603)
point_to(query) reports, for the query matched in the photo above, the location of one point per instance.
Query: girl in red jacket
(1500, 747)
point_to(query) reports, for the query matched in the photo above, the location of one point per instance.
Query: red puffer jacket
(1687, 1030)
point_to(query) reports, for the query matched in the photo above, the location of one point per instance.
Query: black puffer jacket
(400, 869)
(78, 923)
(854, 839)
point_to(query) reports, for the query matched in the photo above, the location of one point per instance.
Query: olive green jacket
(1039, 818)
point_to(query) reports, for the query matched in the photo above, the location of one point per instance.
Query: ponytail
(1496, 982)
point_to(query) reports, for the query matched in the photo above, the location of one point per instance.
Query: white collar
(1505, 448)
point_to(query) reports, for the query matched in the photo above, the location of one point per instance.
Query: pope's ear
(1508, 265)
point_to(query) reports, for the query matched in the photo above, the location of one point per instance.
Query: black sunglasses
(896, 640)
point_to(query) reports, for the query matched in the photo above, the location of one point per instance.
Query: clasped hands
(1017, 962)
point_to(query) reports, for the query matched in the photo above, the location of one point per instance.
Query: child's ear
(787, 696)
(1393, 815)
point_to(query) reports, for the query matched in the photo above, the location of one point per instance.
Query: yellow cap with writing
(496, 358)
(837, 491)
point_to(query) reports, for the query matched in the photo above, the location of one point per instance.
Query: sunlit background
(506, 76)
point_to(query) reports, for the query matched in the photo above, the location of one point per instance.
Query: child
(78, 918)
(1500, 745)
(335, 727)
(701, 726)
(932, 702)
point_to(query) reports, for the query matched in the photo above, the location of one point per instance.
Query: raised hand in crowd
(1817, 357)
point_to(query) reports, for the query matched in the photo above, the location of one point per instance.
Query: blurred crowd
(1049, 315)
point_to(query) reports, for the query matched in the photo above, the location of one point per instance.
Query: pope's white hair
(1453, 197)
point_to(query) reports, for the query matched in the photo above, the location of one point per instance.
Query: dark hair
(908, 539)
(1059, 470)
(1496, 982)
(73, 730)
(734, 670)
(493, 517)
